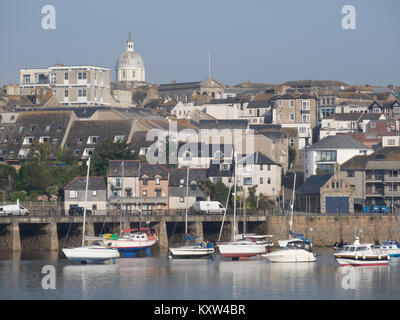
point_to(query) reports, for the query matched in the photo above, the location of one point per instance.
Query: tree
(108, 150)
(206, 186)
(219, 192)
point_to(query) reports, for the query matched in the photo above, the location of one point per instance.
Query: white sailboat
(243, 247)
(194, 250)
(97, 252)
(292, 237)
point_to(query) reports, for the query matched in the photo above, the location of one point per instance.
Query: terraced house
(50, 127)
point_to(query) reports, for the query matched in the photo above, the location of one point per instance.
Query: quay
(48, 232)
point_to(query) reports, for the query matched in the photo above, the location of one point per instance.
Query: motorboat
(339, 245)
(131, 241)
(391, 247)
(96, 252)
(361, 254)
(192, 251)
(259, 239)
(295, 251)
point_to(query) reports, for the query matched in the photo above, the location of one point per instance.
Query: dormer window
(23, 153)
(88, 152)
(20, 129)
(80, 140)
(92, 139)
(47, 129)
(32, 128)
(224, 167)
(44, 139)
(59, 128)
(28, 140)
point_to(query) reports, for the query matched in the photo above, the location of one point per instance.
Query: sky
(261, 41)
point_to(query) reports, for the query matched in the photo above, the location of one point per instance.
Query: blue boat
(390, 246)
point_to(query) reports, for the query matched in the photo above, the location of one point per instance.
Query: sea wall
(325, 230)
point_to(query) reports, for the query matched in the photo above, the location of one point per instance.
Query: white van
(13, 210)
(207, 207)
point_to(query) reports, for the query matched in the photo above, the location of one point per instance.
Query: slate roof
(314, 83)
(258, 158)
(103, 129)
(79, 183)
(34, 124)
(338, 142)
(153, 170)
(259, 104)
(205, 150)
(130, 169)
(222, 124)
(178, 174)
(354, 116)
(313, 184)
(383, 158)
(215, 171)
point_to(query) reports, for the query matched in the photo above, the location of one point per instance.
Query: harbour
(160, 278)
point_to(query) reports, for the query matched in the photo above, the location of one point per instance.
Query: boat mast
(187, 194)
(120, 198)
(234, 200)
(291, 216)
(84, 211)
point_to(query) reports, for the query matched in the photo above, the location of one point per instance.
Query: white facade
(130, 66)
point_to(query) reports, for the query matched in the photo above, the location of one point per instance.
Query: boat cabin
(299, 245)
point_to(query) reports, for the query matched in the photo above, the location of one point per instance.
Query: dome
(130, 59)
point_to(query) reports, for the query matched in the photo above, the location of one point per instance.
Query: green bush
(21, 195)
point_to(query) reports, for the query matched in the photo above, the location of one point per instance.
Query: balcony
(374, 178)
(392, 179)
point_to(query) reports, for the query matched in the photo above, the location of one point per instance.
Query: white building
(321, 157)
(130, 66)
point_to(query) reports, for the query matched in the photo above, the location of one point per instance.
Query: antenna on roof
(209, 63)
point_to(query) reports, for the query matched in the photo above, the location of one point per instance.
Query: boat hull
(241, 251)
(367, 261)
(130, 245)
(89, 254)
(191, 253)
(290, 256)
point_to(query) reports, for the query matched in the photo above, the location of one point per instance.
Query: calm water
(159, 278)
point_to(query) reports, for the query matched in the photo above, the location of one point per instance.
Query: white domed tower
(130, 66)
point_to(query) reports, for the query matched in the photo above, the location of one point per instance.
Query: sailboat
(197, 250)
(242, 246)
(293, 236)
(97, 252)
(131, 241)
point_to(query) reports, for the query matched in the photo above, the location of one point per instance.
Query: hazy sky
(261, 41)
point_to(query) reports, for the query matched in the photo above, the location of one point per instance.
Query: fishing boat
(98, 251)
(198, 250)
(131, 241)
(391, 247)
(361, 254)
(295, 251)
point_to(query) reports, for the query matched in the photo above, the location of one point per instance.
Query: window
(292, 103)
(144, 193)
(119, 139)
(73, 194)
(47, 129)
(247, 181)
(66, 76)
(261, 180)
(159, 206)
(292, 117)
(261, 167)
(92, 139)
(350, 173)
(82, 76)
(182, 199)
(94, 193)
(145, 181)
(269, 167)
(305, 105)
(65, 93)
(269, 180)
(53, 78)
(94, 207)
(305, 118)
(82, 93)
(158, 192)
(157, 181)
(391, 142)
(328, 156)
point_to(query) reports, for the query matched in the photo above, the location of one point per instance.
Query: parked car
(78, 211)
(13, 210)
(208, 207)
